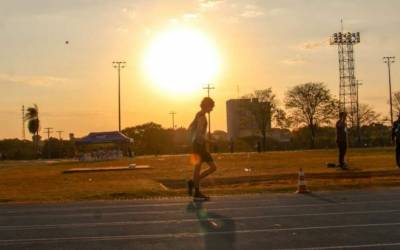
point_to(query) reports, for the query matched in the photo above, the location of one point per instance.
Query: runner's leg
(211, 169)
(196, 176)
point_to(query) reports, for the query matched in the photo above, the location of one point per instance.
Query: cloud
(130, 13)
(43, 81)
(277, 11)
(190, 16)
(252, 11)
(315, 45)
(208, 4)
(122, 29)
(293, 61)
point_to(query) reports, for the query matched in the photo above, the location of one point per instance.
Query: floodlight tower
(348, 86)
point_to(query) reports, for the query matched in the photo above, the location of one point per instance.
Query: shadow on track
(218, 231)
(321, 198)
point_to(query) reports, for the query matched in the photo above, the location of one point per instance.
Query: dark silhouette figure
(396, 138)
(341, 138)
(198, 131)
(218, 230)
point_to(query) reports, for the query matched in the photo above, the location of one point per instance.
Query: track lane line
(94, 213)
(122, 223)
(185, 235)
(170, 204)
(346, 246)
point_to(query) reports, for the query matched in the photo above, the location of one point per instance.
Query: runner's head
(207, 104)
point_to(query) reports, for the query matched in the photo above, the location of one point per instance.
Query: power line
(208, 88)
(48, 132)
(48, 141)
(389, 60)
(119, 65)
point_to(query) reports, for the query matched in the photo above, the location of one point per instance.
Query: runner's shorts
(201, 151)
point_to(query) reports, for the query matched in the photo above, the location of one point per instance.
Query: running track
(338, 220)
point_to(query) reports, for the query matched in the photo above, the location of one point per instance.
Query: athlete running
(198, 131)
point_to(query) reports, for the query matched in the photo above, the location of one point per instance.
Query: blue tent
(104, 137)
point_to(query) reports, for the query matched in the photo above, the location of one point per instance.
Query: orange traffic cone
(301, 188)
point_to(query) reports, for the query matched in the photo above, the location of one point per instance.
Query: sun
(181, 60)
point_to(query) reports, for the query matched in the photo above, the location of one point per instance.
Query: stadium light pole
(389, 60)
(119, 65)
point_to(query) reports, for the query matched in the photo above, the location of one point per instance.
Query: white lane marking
(346, 246)
(177, 211)
(248, 197)
(122, 223)
(56, 209)
(186, 235)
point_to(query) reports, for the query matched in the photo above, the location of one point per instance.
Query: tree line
(307, 114)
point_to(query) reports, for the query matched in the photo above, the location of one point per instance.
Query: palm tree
(32, 116)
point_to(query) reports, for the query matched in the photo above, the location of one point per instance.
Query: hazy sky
(262, 44)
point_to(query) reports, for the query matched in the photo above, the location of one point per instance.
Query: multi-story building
(241, 118)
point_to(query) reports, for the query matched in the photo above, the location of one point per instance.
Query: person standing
(198, 131)
(396, 138)
(341, 138)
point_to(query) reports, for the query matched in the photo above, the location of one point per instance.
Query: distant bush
(15, 149)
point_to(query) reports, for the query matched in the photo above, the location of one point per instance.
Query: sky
(261, 44)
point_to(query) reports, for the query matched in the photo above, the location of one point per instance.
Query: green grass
(43, 181)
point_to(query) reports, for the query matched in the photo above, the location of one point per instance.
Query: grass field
(43, 181)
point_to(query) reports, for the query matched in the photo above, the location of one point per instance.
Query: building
(241, 119)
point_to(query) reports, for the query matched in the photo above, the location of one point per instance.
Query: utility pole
(48, 141)
(389, 60)
(48, 132)
(23, 122)
(208, 88)
(119, 65)
(59, 134)
(173, 113)
(358, 116)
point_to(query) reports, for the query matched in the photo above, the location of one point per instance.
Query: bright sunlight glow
(181, 60)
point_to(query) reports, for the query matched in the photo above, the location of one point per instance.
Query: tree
(366, 114)
(267, 110)
(32, 116)
(149, 138)
(263, 110)
(396, 102)
(281, 119)
(312, 105)
(14, 149)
